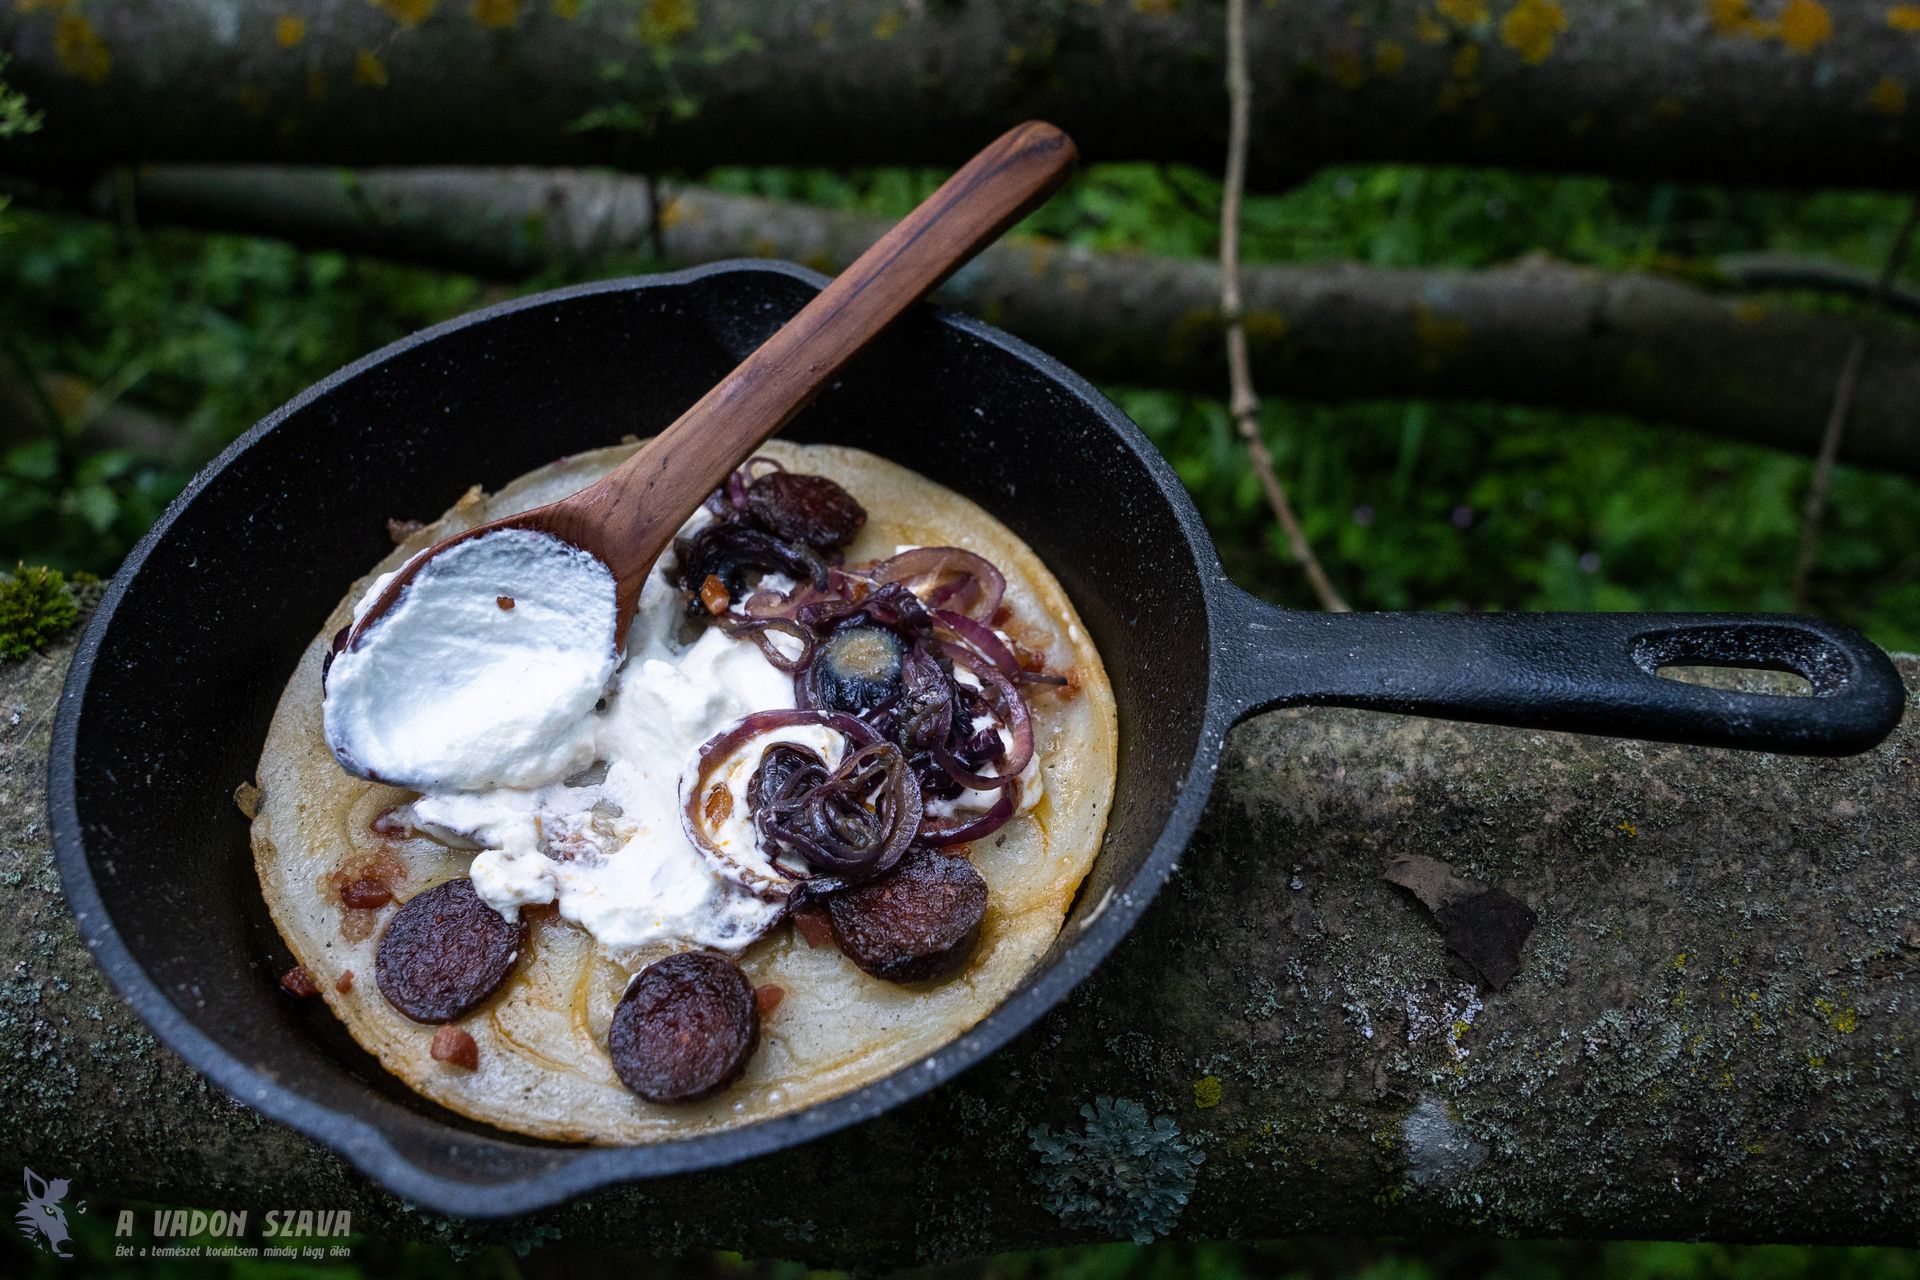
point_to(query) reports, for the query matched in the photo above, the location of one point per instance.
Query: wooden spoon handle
(653, 493)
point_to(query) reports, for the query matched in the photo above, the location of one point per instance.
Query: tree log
(1769, 91)
(1537, 332)
(1711, 1033)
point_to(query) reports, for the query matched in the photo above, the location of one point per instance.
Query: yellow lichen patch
(1628, 830)
(81, 50)
(368, 70)
(289, 31)
(1206, 1092)
(822, 28)
(1388, 57)
(1805, 25)
(1531, 27)
(1904, 17)
(566, 10)
(496, 13)
(1680, 962)
(1349, 72)
(408, 13)
(1735, 18)
(672, 214)
(663, 20)
(1846, 1021)
(1889, 97)
(1155, 6)
(887, 25)
(1468, 13)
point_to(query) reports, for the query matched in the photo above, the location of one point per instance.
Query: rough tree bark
(1711, 1033)
(1773, 91)
(1536, 332)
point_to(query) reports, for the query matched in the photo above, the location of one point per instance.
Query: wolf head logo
(42, 1218)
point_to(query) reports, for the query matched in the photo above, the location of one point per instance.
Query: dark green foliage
(211, 332)
(35, 606)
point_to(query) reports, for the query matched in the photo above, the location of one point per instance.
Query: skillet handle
(1578, 672)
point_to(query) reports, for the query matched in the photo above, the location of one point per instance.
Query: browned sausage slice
(685, 1028)
(918, 921)
(444, 952)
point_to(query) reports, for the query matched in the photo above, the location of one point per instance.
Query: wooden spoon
(628, 517)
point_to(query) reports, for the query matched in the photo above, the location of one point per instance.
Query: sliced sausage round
(805, 508)
(685, 1028)
(444, 952)
(918, 921)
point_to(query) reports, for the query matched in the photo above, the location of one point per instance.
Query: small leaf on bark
(1484, 925)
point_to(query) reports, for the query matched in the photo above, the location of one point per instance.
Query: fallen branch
(1709, 1034)
(1803, 93)
(1536, 332)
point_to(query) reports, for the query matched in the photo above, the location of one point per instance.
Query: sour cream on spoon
(485, 671)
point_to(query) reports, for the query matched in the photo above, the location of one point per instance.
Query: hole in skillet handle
(1848, 695)
(1748, 644)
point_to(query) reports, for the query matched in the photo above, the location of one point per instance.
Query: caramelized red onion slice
(757, 629)
(980, 637)
(824, 833)
(940, 832)
(827, 826)
(947, 578)
(1012, 710)
(743, 476)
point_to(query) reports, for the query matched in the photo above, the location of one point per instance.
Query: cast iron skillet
(180, 668)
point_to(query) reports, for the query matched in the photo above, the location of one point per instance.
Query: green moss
(35, 606)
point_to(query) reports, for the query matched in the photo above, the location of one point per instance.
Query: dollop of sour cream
(580, 805)
(483, 673)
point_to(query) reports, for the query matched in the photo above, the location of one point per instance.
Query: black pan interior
(181, 672)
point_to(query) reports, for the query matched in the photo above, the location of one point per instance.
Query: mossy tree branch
(1770, 91)
(1710, 1034)
(1536, 332)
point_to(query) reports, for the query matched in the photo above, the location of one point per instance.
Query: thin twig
(1245, 404)
(1815, 513)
